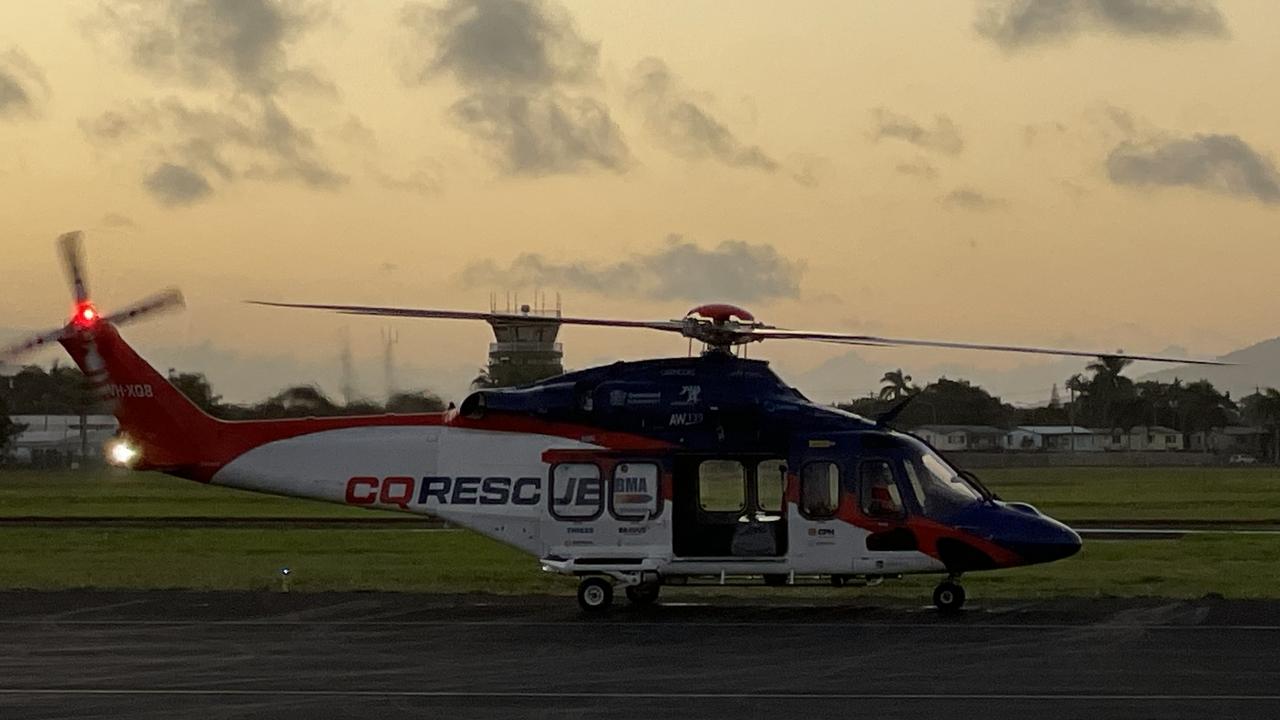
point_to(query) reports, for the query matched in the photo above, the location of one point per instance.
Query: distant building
(1233, 440)
(1054, 438)
(524, 351)
(962, 437)
(55, 440)
(1142, 438)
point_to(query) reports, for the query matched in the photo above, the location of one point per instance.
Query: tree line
(62, 390)
(1100, 397)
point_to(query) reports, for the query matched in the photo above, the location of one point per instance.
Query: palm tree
(896, 385)
(1108, 386)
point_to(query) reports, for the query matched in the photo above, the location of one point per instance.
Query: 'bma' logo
(138, 390)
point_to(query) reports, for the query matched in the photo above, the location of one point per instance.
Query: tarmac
(160, 654)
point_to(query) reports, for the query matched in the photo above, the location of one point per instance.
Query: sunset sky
(1099, 173)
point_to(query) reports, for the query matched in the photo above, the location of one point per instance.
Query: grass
(396, 558)
(461, 562)
(1210, 493)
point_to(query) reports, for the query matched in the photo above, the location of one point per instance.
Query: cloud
(176, 185)
(251, 139)
(116, 220)
(543, 134)
(237, 52)
(514, 44)
(919, 167)
(944, 137)
(23, 88)
(1025, 23)
(527, 76)
(971, 199)
(1222, 164)
(732, 271)
(203, 43)
(687, 128)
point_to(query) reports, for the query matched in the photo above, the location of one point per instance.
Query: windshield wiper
(977, 484)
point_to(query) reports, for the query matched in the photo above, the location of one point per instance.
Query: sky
(1093, 173)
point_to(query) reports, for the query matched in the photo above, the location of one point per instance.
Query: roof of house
(1056, 429)
(977, 429)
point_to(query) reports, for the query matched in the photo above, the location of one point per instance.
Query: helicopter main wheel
(595, 595)
(643, 594)
(948, 596)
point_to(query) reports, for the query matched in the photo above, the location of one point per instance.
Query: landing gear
(948, 597)
(595, 594)
(643, 594)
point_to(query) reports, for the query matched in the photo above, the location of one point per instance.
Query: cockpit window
(880, 496)
(938, 488)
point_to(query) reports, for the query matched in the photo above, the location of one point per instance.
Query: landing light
(122, 453)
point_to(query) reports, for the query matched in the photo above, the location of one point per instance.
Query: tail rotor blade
(72, 249)
(170, 299)
(31, 344)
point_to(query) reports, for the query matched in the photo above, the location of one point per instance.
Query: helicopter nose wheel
(948, 597)
(595, 594)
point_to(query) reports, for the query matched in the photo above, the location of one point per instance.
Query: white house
(962, 437)
(1154, 438)
(55, 439)
(1053, 438)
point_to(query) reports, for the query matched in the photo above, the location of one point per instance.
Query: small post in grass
(284, 579)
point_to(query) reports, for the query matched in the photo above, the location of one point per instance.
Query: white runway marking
(518, 695)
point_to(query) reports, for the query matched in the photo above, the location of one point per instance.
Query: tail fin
(169, 431)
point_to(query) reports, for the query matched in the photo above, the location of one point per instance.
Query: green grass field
(406, 559)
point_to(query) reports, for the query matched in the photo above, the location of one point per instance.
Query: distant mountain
(1257, 366)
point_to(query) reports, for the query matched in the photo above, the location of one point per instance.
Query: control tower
(524, 348)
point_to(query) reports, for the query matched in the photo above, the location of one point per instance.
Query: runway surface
(233, 655)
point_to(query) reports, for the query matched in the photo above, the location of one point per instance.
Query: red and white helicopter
(637, 474)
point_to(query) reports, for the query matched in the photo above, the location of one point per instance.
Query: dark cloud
(527, 76)
(687, 128)
(421, 181)
(919, 167)
(203, 43)
(252, 139)
(1024, 23)
(543, 134)
(176, 185)
(733, 270)
(23, 88)
(238, 52)
(1222, 164)
(944, 137)
(971, 199)
(512, 44)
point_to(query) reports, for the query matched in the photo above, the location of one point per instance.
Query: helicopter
(705, 469)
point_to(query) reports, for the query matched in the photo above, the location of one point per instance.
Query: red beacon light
(86, 315)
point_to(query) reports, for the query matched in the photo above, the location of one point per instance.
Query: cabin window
(771, 480)
(820, 489)
(880, 497)
(634, 492)
(721, 485)
(577, 492)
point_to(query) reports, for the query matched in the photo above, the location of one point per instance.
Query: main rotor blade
(169, 299)
(31, 344)
(667, 325)
(71, 246)
(850, 339)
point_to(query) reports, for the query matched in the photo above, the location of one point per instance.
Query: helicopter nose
(1050, 541)
(1062, 542)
